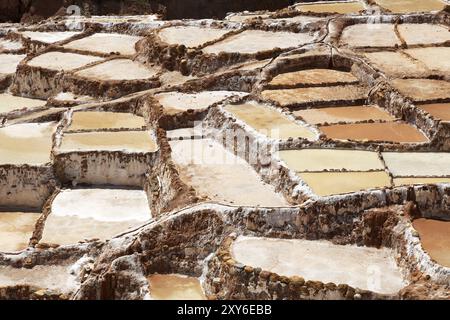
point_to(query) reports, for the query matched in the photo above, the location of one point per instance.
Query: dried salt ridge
(137, 155)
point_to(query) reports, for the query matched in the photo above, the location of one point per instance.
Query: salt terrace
(262, 156)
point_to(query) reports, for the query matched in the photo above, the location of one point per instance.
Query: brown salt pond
(49, 37)
(419, 180)
(333, 183)
(405, 6)
(313, 77)
(106, 43)
(175, 102)
(190, 36)
(330, 159)
(9, 62)
(439, 111)
(269, 121)
(219, 175)
(62, 61)
(94, 120)
(343, 114)
(332, 7)
(370, 35)
(57, 278)
(423, 33)
(29, 143)
(423, 89)
(360, 267)
(10, 103)
(118, 69)
(433, 57)
(322, 95)
(396, 64)
(16, 229)
(435, 239)
(80, 214)
(420, 164)
(387, 131)
(254, 41)
(175, 287)
(127, 141)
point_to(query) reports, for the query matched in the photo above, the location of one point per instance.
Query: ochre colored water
(361, 267)
(269, 121)
(342, 8)
(440, 111)
(175, 287)
(421, 180)
(423, 89)
(131, 141)
(26, 143)
(331, 159)
(16, 229)
(313, 76)
(405, 6)
(332, 183)
(105, 120)
(435, 239)
(343, 114)
(370, 35)
(286, 97)
(388, 131)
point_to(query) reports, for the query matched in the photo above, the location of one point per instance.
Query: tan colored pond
(423, 89)
(330, 159)
(62, 60)
(94, 120)
(269, 121)
(332, 7)
(6, 45)
(432, 57)
(440, 111)
(9, 62)
(420, 164)
(360, 267)
(81, 214)
(175, 287)
(127, 141)
(16, 229)
(421, 180)
(388, 131)
(254, 41)
(313, 77)
(118, 69)
(190, 36)
(106, 43)
(405, 6)
(396, 64)
(423, 33)
(435, 239)
(175, 102)
(370, 35)
(289, 97)
(219, 175)
(343, 114)
(333, 183)
(29, 143)
(10, 103)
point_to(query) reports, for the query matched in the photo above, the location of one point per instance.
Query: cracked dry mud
(262, 156)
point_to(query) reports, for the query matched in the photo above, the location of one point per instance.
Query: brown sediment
(439, 111)
(370, 35)
(435, 239)
(106, 43)
(16, 229)
(62, 60)
(405, 6)
(343, 114)
(423, 89)
(336, 7)
(105, 120)
(313, 77)
(118, 69)
(388, 131)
